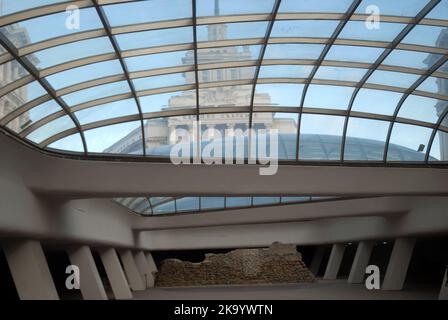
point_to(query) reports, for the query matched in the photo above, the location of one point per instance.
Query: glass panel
(243, 30)
(164, 208)
(52, 26)
(285, 71)
(10, 72)
(230, 7)
(257, 201)
(187, 204)
(232, 202)
(411, 59)
(422, 108)
(427, 36)
(147, 11)
(71, 51)
(139, 205)
(122, 138)
(50, 129)
(440, 11)
(154, 38)
(84, 73)
(365, 139)
(293, 51)
(376, 101)
(322, 6)
(17, 98)
(166, 80)
(439, 149)
(13, 6)
(107, 111)
(162, 60)
(329, 97)
(96, 92)
(226, 54)
(286, 126)
(353, 54)
(320, 137)
(226, 74)
(340, 73)
(227, 96)
(304, 28)
(358, 30)
(35, 114)
(294, 199)
(278, 94)
(408, 143)
(394, 79)
(394, 8)
(212, 203)
(435, 85)
(71, 143)
(168, 101)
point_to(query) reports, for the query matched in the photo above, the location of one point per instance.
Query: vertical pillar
(337, 253)
(30, 271)
(91, 286)
(398, 264)
(131, 270)
(151, 263)
(115, 274)
(143, 267)
(443, 295)
(360, 262)
(317, 260)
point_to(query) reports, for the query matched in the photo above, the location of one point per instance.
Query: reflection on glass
(35, 114)
(71, 143)
(408, 138)
(411, 59)
(328, 97)
(422, 108)
(435, 85)
(122, 138)
(365, 139)
(168, 101)
(320, 137)
(439, 149)
(50, 129)
(427, 36)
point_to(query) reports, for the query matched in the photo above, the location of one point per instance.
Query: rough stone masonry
(280, 263)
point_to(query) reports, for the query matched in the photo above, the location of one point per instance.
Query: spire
(216, 7)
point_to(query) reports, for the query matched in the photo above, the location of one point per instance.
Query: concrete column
(131, 270)
(143, 267)
(151, 263)
(317, 260)
(362, 257)
(443, 295)
(337, 253)
(30, 271)
(91, 286)
(115, 274)
(398, 264)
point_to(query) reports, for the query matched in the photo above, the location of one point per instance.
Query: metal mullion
(378, 62)
(351, 10)
(24, 62)
(117, 50)
(196, 75)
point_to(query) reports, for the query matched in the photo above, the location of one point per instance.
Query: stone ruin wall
(279, 263)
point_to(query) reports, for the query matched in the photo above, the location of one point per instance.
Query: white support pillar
(115, 274)
(29, 270)
(91, 286)
(131, 270)
(151, 263)
(443, 295)
(398, 264)
(360, 262)
(143, 267)
(337, 253)
(317, 260)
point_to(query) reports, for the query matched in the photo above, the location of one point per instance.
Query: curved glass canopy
(118, 77)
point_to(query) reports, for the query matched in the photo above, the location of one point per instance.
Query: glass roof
(117, 77)
(154, 206)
